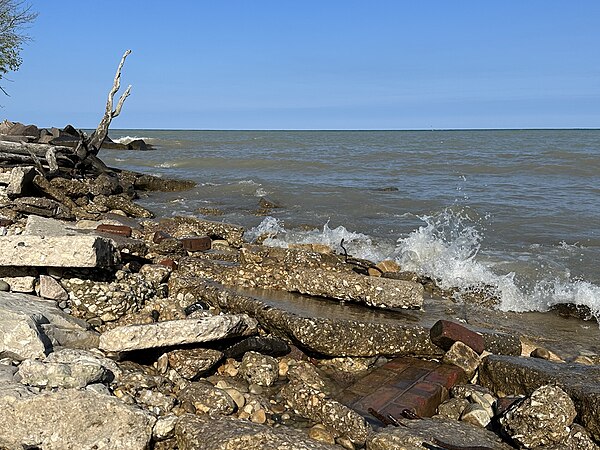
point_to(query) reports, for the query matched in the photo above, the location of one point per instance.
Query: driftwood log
(81, 159)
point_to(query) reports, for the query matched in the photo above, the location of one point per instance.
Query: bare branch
(117, 110)
(116, 83)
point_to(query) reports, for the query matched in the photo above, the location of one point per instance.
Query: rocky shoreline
(120, 331)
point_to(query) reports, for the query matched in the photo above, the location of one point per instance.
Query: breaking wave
(448, 249)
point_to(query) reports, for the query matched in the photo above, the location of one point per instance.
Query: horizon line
(359, 129)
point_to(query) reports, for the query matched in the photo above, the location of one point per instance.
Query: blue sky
(324, 64)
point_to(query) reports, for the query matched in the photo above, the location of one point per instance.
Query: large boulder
(31, 327)
(435, 433)
(519, 375)
(71, 420)
(56, 251)
(223, 433)
(542, 419)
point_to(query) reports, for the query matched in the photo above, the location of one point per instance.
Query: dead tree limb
(97, 138)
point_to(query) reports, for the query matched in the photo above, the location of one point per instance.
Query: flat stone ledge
(177, 332)
(56, 251)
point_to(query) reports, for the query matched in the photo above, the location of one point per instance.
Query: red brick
(160, 236)
(121, 230)
(196, 244)
(445, 333)
(446, 375)
(169, 263)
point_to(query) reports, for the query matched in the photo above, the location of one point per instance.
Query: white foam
(446, 248)
(127, 139)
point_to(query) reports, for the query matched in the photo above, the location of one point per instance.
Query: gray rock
(4, 286)
(259, 369)
(224, 433)
(164, 428)
(463, 356)
(452, 408)
(20, 183)
(76, 356)
(30, 327)
(42, 206)
(56, 251)
(327, 336)
(54, 374)
(177, 332)
(72, 419)
(7, 373)
(542, 419)
(476, 414)
(51, 289)
(24, 285)
(207, 398)
(518, 375)
(191, 363)
(316, 406)
(179, 227)
(434, 432)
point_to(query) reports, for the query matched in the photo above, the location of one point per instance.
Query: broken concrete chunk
(73, 419)
(51, 289)
(56, 251)
(176, 332)
(20, 181)
(30, 327)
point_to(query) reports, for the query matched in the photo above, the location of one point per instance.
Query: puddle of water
(567, 337)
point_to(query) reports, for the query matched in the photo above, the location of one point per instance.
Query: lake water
(518, 209)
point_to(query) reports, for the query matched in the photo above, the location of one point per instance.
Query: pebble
(4, 286)
(540, 353)
(321, 434)
(343, 441)
(259, 416)
(255, 389)
(476, 415)
(237, 397)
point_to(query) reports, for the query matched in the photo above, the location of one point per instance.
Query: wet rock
(463, 356)
(452, 408)
(435, 433)
(502, 343)
(144, 182)
(72, 419)
(191, 363)
(207, 399)
(518, 375)
(54, 374)
(542, 419)
(223, 433)
(267, 345)
(51, 289)
(316, 406)
(179, 227)
(332, 337)
(31, 327)
(321, 275)
(56, 251)
(259, 369)
(177, 332)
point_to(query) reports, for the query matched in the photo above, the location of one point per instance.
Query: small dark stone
(387, 189)
(4, 286)
(266, 345)
(155, 315)
(541, 353)
(197, 306)
(138, 144)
